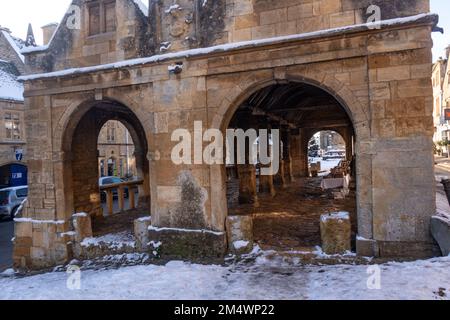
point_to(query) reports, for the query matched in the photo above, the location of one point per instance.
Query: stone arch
(242, 91)
(65, 135)
(356, 112)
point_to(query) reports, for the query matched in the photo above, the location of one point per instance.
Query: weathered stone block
(335, 230)
(141, 232)
(240, 233)
(202, 246)
(366, 248)
(83, 226)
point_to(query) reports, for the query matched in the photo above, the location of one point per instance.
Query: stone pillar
(266, 181)
(286, 137)
(247, 184)
(240, 234)
(296, 155)
(336, 231)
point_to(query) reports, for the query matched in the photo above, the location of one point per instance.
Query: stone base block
(367, 248)
(83, 226)
(240, 234)
(141, 233)
(201, 246)
(440, 229)
(408, 250)
(39, 245)
(336, 232)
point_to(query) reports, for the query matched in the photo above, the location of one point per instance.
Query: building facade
(116, 151)
(13, 154)
(441, 94)
(230, 64)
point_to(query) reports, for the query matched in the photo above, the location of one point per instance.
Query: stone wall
(8, 146)
(186, 24)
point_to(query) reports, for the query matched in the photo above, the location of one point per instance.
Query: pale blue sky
(16, 14)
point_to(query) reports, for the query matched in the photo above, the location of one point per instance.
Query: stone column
(247, 184)
(296, 155)
(286, 137)
(266, 181)
(247, 175)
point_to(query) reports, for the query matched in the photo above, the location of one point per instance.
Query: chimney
(48, 31)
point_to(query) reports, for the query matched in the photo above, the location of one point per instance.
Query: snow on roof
(142, 7)
(234, 46)
(16, 43)
(10, 87)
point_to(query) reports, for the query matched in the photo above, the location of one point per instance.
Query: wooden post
(121, 197)
(110, 201)
(131, 197)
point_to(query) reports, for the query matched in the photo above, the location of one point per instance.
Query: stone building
(300, 66)
(116, 151)
(331, 139)
(441, 101)
(12, 129)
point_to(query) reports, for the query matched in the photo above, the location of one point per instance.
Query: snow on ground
(326, 165)
(263, 278)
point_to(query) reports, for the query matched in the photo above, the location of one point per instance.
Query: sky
(16, 14)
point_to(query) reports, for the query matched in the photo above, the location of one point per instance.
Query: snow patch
(151, 228)
(335, 216)
(141, 7)
(10, 87)
(113, 241)
(39, 221)
(173, 8)
(80, 215)
(240, 244)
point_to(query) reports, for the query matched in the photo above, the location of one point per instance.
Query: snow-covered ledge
(230, 47)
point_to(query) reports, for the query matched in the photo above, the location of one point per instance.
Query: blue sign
(19, 154)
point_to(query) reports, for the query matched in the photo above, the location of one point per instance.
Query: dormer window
(102, 17)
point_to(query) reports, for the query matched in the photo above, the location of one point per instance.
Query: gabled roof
(15, 43)
(10, 87)
(138, 3)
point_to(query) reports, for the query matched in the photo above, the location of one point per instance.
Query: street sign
(19, 154)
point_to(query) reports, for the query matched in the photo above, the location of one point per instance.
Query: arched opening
(106, 172)
(286, 205)
(327, 149)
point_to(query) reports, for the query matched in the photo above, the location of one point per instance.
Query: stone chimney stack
(48, 31)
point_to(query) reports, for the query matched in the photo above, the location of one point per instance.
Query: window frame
(14, 133)
(102, 23)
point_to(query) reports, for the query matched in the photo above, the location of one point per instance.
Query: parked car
(11, 199)
(334, 154)
(105, 181)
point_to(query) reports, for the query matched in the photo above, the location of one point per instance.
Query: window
(102, 17)
(12, 126)
(110, 17)
(111, 133)
(22, 193)
(94, 19)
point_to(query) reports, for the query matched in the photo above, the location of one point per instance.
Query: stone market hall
(299, 66)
